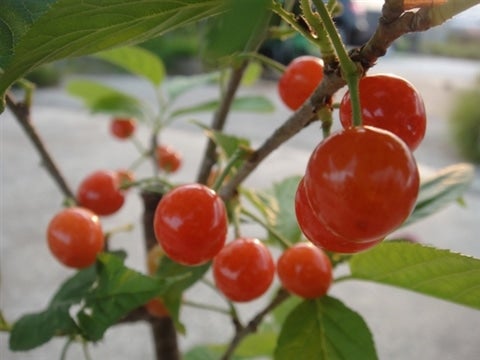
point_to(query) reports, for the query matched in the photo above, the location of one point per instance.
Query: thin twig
(21, 112)
(395, 22)
(251, 327)
(219, 119)
(296, 122)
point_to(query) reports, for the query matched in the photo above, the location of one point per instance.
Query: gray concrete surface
(405, 325)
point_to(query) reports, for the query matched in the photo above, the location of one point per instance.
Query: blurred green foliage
(465, 123)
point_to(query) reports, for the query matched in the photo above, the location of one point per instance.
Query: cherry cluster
(75, 234)
(362, 182)
(191, 226)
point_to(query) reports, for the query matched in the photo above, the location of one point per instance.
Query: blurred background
(442, 63)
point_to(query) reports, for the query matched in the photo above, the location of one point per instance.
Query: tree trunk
(163, 329)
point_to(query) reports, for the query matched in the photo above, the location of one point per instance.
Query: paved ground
(405, 325)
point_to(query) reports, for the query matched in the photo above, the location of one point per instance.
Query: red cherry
(122, 128)
(305, 270)
(300, 79)
(190, 224)
(75, 237)
(168, 159)
(317, 232)
(244, 269)
(391, 103)
(362, 183)
(100, 192)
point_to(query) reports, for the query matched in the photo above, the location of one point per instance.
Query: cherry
(362, 183)
(300, 79)
(391, 103)
(305, 270)
(122, 128)
(190, 224)
(244, 269)
(75, 237)
(317, 232)
(168, 159)
(100, 192)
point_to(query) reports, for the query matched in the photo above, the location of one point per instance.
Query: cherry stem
(291, 19)
(343, 278)
(63, 355)
(207, 307)
(349, 69)
(283, 240)
(322, 40)
(86, 352)
(325, 115)
(273, 64)
(119, 229)
(238, 154)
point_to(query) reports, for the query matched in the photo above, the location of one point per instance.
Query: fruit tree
(335, 222)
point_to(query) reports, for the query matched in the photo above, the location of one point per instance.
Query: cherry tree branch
(219, 120)
(22, 113)
(242, 331)
(396, 20)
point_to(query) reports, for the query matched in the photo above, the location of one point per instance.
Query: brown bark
(163, 329)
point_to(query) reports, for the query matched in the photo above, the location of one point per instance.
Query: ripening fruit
(154, 256)
(362, 183)
(300, 79)
(168, 159)
(157, 308)
(126, 178)
(244, 269)
(305, 270)
(190, 224)
(75, 237)
(100, 192)
(122, 128)
(318, 234)
(390, 103)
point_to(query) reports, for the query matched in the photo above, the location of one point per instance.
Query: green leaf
(257, 104)
(15, 21)
(73, 289)
(181, 278)
(441, 189)
(201, 353)
(238, 29)
(439, 273)
(32, 33)
(117, 291)
(285, 220)
(101, 98)
(137, 61)
(277, 206)
(181, 84)
(263, 201)
(324, 329)
(33, 330)
(252, 73)
(228, 144)
(280, 313)
(258, 344)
